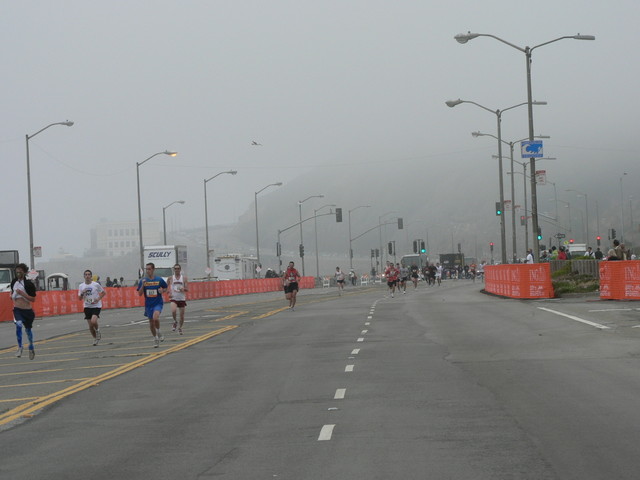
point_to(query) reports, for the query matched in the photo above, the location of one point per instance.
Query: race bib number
(152, 293)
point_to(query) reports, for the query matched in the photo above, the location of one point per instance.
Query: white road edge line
(577, 319)
(613, 310)
(340, 393)
(326, 432)
(349, 368)
(364, 332)
(355, 351)
(360, 340)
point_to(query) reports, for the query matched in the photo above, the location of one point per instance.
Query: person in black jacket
(23, 294)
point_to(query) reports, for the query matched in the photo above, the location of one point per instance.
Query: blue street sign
(531, 149)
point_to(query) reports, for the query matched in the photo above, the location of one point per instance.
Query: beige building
(114, 239)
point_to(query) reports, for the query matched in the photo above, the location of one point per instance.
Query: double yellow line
(28, 409)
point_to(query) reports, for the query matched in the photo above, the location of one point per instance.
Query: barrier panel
(519, 281)
(62, 303)
(620, 280)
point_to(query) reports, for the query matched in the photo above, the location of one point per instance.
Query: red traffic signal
(598, 237)
(571, 240)
(491, 244)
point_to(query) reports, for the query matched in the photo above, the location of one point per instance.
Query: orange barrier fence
(62, 303)
(519, 281)
(620, 280)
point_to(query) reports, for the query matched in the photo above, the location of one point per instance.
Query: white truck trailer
(164, 257)
(234, 266)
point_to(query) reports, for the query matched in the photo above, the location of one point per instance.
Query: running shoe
(19, 352)
(95, 341)
(161, 338)
(173, 328)
(156, 342)
(180, 331)
(98, 335)
(32, 354)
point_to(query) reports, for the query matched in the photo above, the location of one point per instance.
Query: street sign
(560, 235)
(37, 251)
(541, 177)
(531, 149)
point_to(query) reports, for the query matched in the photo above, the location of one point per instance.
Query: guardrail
(50, 303)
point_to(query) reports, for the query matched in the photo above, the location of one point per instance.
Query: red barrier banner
(62, 303)
(519, 281)
(620, 280)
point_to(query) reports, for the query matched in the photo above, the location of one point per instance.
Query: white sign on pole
(37, 251)
(541, 177)
(507, 205)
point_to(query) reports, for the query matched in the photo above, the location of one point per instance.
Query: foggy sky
(320, 84)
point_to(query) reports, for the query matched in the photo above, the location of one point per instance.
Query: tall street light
(28, 137)
(138, 164)
(315, 226)
(350, 249)
(464, 38)
(513, 192)
(498, 114)
(255, 196)
(586, 212)
(301, 240)
(206, 215)
(164, 219)
(621, 209)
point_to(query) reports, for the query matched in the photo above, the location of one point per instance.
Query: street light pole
(498, 113)
(464, 38)
(350, 249)
(300, 212)
(27, 138)
(586, 210)
(315, 226)
(206, 215)
(621, 210)
(138, 164)
(164, 219)
(255, 197)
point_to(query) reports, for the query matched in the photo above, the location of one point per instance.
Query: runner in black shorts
(92, 294)
(290, 283)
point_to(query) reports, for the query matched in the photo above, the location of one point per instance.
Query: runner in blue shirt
(152, 288)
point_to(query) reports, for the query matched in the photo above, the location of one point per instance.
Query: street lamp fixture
(164, 219)
(138, 164)
(498, 113)
(464, 38)
(66, 123)
(255, 196)
(206, 215)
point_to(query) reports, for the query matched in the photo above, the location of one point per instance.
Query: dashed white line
(363, 332)
(355, 351)
(340, 393)
(326, 432)
(360, 340)
(369, 317)
(366, 324)
(349, 368)
(577, 319)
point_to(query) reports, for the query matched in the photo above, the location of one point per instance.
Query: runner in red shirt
(391, 273)
(290, 283)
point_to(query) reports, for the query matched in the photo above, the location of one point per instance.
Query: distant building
(114, 239)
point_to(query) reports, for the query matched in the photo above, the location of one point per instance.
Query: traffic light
(491, 246)
(523, 220)
(613, 233)
(373, 253)
(415, 246)
(598, 239)
(422, 249)
(498, 209)
(338, 214)
(390, 247)
(377, 253)
(301, 250)
(539, 233)
(400, 223)
(278, 249)
(571, 240)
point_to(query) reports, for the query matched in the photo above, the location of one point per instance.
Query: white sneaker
(156, 342)
(19, 352)
(161, 337)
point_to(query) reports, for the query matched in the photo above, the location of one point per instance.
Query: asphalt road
(440, 383)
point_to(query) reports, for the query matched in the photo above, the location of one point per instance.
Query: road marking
(577, 319)
(30, 408)
(340, 393)
(268, 314)
(636, 326)
(326, 432)
(366, 324)
(355, 351)
(369, 317)
(364, 332)
(349, 368)
(360, 340)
